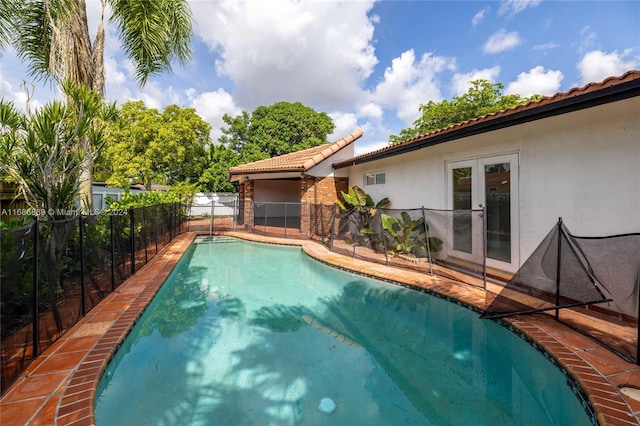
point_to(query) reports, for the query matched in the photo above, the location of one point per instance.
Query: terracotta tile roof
(299, 161)
(530, 107)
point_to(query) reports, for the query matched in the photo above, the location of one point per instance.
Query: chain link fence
(53, 272)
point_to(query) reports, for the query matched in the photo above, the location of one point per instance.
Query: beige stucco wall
(582, 166)
(325, 168)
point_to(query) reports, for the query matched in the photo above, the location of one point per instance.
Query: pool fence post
(558, 259)
(155, 224)
(320, 217)
(384, 240)
(313, 227)
(332, 228)
(211, 221)
(113, 254)
(132, 243)
(144, 235)
(638, 337)
(484, 247)
(266, 216)
(36, 290)
(355, 240)
(236, 209)
(426, 233)
(285, 219)
(82, 295)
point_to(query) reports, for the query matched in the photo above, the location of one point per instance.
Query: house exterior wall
(583, 166)
(324, 168)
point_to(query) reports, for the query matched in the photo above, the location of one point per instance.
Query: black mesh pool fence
(414, 238)
(53, 272)
(567, 274)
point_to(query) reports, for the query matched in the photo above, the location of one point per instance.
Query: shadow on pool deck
(59, 387)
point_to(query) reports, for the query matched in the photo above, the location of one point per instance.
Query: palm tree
(53, 37)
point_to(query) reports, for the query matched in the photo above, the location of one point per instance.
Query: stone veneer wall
(246, 194)
(320, 190)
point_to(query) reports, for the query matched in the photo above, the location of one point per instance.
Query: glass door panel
(497, 182)
(462, 181)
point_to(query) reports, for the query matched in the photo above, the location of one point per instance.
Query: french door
(490, 182)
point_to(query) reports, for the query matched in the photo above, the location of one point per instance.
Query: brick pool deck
(59, 387)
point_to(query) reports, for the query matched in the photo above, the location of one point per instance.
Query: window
(374, 179)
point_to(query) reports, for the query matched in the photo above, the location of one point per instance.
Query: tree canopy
(482, 98)
(275, 130)
(150, 146)
(214, 177)
(266, 132)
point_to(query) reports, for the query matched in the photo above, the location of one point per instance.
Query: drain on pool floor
(327, 405)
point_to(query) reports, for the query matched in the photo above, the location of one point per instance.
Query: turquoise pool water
(252, 334)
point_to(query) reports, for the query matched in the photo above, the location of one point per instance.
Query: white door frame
(478, 200)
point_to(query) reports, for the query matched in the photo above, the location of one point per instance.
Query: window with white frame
(378, 178)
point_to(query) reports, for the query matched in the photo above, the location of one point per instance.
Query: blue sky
(370, 64)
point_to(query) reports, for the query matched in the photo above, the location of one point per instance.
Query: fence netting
(17, 300)
(53, 272)
(419, 239)
(278, 219)
(213, 212)
(578, 278)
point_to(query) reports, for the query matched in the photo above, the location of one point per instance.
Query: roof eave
(603, 96)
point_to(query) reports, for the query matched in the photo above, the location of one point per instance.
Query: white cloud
(370, 110)
(407, 84)
(479, 17)
(537, 81)
(152, 94)
(588, 39)
(211, 106)
(345, 122)
(513, 7)
(501, 41)
(597, 65)
(370, 146)
(546, 46)
(317, 53)
(19, 96)
(460, 81)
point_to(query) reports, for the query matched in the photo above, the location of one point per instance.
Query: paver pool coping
(60, 386)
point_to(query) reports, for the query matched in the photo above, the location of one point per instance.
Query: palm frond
(8, 26)
(153, 33)
(44, 40)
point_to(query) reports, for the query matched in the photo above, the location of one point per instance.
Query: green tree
(52, 36)
(149, 146)
(215, 177)
(482, 98)
(275, 130)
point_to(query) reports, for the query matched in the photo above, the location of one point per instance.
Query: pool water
(254, 334)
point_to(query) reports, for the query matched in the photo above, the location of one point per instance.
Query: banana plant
(356, 200)
(407, 233)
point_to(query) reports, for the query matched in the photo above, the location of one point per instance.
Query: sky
(367, 64)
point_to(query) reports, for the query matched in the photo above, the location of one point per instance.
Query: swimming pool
(246, 333)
